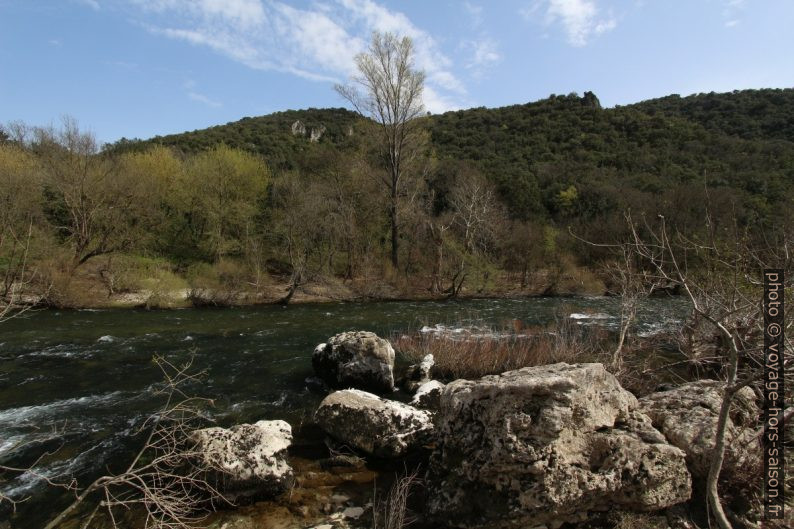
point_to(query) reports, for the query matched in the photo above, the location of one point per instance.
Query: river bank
(91, 287)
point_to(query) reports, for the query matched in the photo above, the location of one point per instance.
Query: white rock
(546, 445)
(249, 459)
(356, 359)
(418, 374)
(372, 424)
(353, 512)
(428, 395)
(688, 416)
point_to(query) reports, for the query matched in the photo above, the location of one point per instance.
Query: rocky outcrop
(374, 425)
(248, 460)
(298, 128)
(428, 396)
(545, 445)
(687, 416)
(316, 134)
(356, 359)
(417, 374)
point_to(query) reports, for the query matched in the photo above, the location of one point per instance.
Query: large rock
(248, 460)
(545, 445)
(688, 416)
(356, 359)
(374, 425)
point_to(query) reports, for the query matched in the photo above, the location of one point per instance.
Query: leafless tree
(300, 226)
(388, 90)
(721, 277)
(18, 277)
(20, 208)
(630, 282)
(473, 199)
(92, 204)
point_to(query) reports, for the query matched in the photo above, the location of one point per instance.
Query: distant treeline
(300, 194)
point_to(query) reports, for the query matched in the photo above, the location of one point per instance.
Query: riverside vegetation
(496, 202)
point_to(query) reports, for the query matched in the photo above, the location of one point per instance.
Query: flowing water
(81, 382)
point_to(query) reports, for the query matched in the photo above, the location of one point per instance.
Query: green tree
(222, 191)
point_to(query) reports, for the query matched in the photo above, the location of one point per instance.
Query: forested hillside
(270, 136)
(566, 157)
(497, 199)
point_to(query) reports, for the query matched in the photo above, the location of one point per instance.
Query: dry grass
(392, 512)
(476, 355)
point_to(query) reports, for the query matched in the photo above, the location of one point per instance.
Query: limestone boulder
(687, 415)
(418, 374)
(360, 360)
(547, 445)
(249, 461)
(428, 396)
(376, 426)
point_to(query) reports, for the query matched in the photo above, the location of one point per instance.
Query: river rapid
(82, 382)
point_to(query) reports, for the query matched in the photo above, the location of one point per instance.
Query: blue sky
(137, 68)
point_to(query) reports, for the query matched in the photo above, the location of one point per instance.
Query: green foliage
(627, 157)
(270, 136)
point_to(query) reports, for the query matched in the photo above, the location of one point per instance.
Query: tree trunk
(394, 235)
(349, 265)
(718, 456)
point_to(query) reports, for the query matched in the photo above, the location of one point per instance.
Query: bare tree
(91, 203)
(721, 279)
(18, 278)
(388, 90)
(630, 282)
(20, 207)
(474, 202)
(300, 215)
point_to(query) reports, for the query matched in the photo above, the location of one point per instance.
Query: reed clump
(476, 354)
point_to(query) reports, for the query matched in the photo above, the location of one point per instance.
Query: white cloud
(192, 94)
(580, 19)
(484, 53)
(93, 4)
(318, 43)
(195, 96)
(240, 12)
(54, 42)
(437, 103)
(732, 12)
(428, 55)
(475, 13)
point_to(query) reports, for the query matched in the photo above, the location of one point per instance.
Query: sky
(139, 68)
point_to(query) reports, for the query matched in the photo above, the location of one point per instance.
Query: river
(82, 381)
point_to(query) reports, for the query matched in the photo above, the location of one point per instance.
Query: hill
(748, 114)
(566, 157)
(281, 138)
